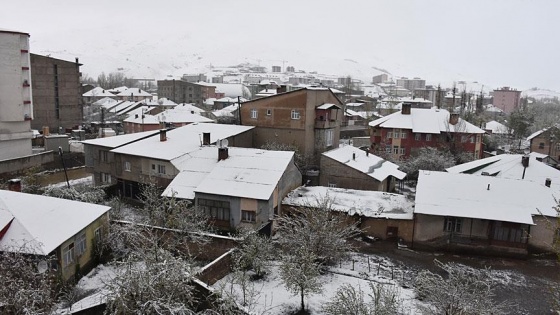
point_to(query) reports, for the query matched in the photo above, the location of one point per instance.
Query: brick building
(546, 141)
(307, 118)
(401, 133)
(57, 94)
(180, 91)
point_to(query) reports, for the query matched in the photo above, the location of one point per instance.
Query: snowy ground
(273, 299)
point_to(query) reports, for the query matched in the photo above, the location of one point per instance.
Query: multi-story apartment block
(57, 96)
(307, 118)
(380, 78)
(180, 91)
(506, 99)
(411, 84)
(401, 133)
(16, 107)
(200, 77)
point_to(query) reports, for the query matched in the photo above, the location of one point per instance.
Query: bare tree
(382, 299)
(300, 273)
(427, 158)
(318, 229)
(254, 253)
(463, 290)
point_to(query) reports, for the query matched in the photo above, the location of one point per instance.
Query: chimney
(488, 187)
(223, 153)
(453, 118)
(406, 108)
(547, 182)
(205, 138)
(354, 156)
(14, 184)
(525, 160)
(162, 135)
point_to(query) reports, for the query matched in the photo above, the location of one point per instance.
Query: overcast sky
(497, 42)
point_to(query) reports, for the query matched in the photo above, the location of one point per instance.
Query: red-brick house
(410, 129)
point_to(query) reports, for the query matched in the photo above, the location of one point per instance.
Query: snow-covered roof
(497, 127)
(230, 89)
(369, 164)
(98, 92)
(134, 92)
(146, 119)
(537, 133)
(106, 102)
(161, 102)
(492, 109)
(373, 204)
(123, 106)
(510, 166)
(119, 89)
(186, 107)
(328, 106)
(117, 141)
(482, 197)
(39, 223)
(354, 104)
(183, 117)
(247, 173)
(425, 120)
(180, 141)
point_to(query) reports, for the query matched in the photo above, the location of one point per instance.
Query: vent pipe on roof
(354, 156)
(406, 108)
(14, 184)
(223, 153)
(162, 135)
(488, 187)
(547, 182)
(453, 118)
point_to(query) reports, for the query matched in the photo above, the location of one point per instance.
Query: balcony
(322, 123)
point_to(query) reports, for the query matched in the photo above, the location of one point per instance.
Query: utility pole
(63, 166)
(239, 108)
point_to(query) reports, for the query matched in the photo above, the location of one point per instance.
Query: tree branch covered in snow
(383, 299)
(28, 284)
(429, 159)
(462, 291)
(90, 194)
(320, 230)
(300, 273)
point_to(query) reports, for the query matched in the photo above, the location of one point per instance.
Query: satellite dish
(224, 143)
(42, 266)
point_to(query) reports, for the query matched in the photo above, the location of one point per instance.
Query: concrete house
(132, 159)
(546, 141)
(483, 214)
(381, 215)
(185, 92)
(353, 168)
(45, 226)
(410, 129)
(238, 187)
(309, 119)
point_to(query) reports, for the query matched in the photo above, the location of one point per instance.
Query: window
(254, 113)
(329, 135)
(402, 150)
(395, 150)
(97, 235)
(396, 133)
(428, 137)
(478, 137)
(215, 209)
(161, 169)
(541, 145)
(269, 112)
(463, 139)
(127, 166)
(389, 135)
(472, 139)
(388, 149)
(295, 114)
(558, 146)
(248, 216)
(68, 254)
(418, 136)
(104, 156)
(105, 178)
(453, 225)
(81, 244)
(403, 134)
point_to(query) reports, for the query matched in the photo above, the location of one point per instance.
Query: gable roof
(373, 204)
(497, 127)
(369, 164)
(482, 197)
(134, 92)
(425, 120)
(246, 173)
(117, 141)
(510, 166)
(98, 92)
(180, 141)
(39, 224)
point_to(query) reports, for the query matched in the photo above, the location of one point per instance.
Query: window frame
(329, 137)
(295, 115)
(268, 112)
(248, 216)
(254, 113)
(161, 169)
(418, 136)
(453, 225)
(68, 257)
(428, 137)
(127, 167)
(81, 244)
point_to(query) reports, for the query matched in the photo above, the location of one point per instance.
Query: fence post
(368, 265)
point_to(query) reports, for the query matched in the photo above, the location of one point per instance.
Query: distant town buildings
(411, 84)
(200, 77)
(180, 91)
(506, 99)
(382, 78)
(16, 104)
